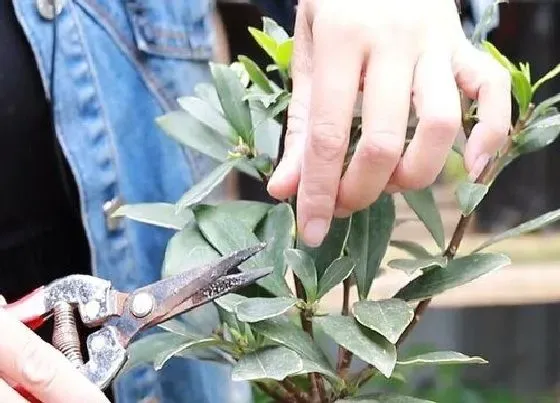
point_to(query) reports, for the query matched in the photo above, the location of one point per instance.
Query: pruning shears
(121, 316)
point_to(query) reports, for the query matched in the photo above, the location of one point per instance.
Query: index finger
(335, 82)
(41, 369)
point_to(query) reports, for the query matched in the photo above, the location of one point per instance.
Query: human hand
(36, 366)
(396, 52)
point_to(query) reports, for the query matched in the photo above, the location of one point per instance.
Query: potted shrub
(269, 332)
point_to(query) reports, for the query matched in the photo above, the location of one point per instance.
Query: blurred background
(511, 318)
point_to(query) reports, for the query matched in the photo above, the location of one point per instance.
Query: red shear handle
(26, 395)
(30, 309)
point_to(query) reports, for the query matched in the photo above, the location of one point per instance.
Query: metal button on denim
(109, 208)
(49, 9)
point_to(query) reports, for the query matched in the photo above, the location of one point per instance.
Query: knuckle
(36, 365)
(443, 126)
(327, 141)
(385, 148)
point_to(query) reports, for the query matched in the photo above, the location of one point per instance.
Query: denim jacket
(114, 67)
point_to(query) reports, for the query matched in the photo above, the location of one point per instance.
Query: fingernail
(479, 166)
(314, 232)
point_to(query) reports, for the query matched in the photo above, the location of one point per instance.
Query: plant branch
(344, 355)
(488, 174)
(277, 393)
(295, 391)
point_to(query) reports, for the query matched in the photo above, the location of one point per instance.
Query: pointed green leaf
(258, 309)
(368, 240)
(469, 195)
(366, 344)
(539, 134)
(278, 230)
(412, 248)
(208, 116)
(423, 203)
(190, 132)
(521, 89)
(248, 212)
(458, 272)
(203, 188)
(543, 107)
(498, 56)
(389, 317)
(304, 268)
(231, 92)
(548, 76)
(256, 74)
(284, 54)
(271, 27)
(272, 363)
(332, 246)
(529, 226)
(286, 333)
(228, 234)
(411, 266)
(159, 214)
(187, 249)
(267, 130)
(336, 273)
(164, 356)
(207, 92)
(265, 41)
(229, 302)
(442, 358)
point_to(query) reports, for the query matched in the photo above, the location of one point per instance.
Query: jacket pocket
(173, 29)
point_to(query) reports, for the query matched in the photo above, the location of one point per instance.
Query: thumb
(284, 182)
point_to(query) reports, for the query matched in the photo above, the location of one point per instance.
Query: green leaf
(383, 398)
(528, 226)
(332, 246)
(366, 344)
(469, 195)
(164, 356)
(256, 74)
(231, 92)
(271, 27)
(442, 358)
(368, 240)
(498, 56)
(187, 249)
(159, 214)
(521, 89)
(207, 92)
(265, 41)
(303, 267)
(203, 188)
(540, 133)
(267, 131)
(272, 363)
(548, 76)
(284, 54)
(544, 107)
(190, 132)
(388, 317)
(411, 266)
(258, 309)
(229, 302)
(423, 203)
(286, 333)
(457, 272)
(336, 273)
(248, 212)
(153, 348)
(228, 234)
(412, 248)
(208, 116)
(278, 230)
